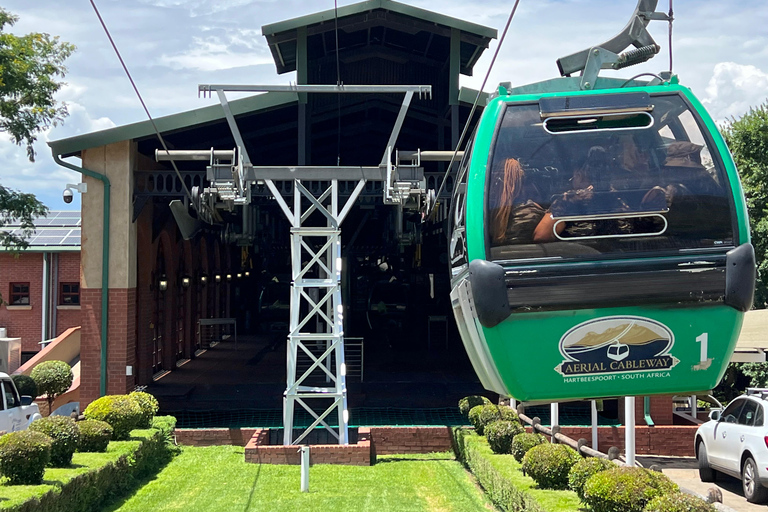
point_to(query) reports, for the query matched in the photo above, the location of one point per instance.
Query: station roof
(407, 20)
(59, 231)
(171, 123)
(753, 340)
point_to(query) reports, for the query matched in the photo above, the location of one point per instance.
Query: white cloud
(734, 88)
(233, 49)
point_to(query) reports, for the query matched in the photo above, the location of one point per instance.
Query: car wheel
(753, 489)
(706, 473)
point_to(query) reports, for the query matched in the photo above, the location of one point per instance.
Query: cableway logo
(616, 344)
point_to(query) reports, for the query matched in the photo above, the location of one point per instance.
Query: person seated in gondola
(592, 193)
(697, 202)
(515, 208)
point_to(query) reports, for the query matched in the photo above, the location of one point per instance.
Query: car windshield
(634, 183)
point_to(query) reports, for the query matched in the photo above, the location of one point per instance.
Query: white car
(735, 442)
(16, 412)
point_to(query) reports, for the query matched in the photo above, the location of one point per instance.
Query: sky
(170, 46)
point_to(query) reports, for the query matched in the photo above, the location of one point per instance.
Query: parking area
(683, 471)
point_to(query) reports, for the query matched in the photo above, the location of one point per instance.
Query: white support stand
(316, 324)
(594, 424)
(304, 450)
(629, 430)
(554, 411)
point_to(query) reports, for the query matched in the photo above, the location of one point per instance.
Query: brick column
(116, 161)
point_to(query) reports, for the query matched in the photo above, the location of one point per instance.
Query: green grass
(217, 478)
(55, 478)
(552, 501)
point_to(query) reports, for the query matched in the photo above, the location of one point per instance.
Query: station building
(144, 288)
(40, 286)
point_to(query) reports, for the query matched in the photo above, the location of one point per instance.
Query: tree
(747, 138)
(53, 378)
(29, 67)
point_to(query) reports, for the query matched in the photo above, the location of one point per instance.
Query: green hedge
(500, 434)
(498, 488)
(583, 471)
(468, 402)
(625, 489)
(678, 502)
(93, 490)
(549, 464)
(523, 442)
(122, 412)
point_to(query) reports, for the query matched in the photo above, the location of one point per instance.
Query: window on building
(19, 294)
(70, 294)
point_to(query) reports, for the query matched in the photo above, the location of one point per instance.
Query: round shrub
(121, 412)
(474, 415)
(94, 435)
(583, 470)
(500, 434)
(65, 435)
(149, 407)
(625, 489)
(678, 502)
(524, 442)
(468, 402)
(23, 456)
(549, 464)
(26, 385)
(491, 413)
(52, 378)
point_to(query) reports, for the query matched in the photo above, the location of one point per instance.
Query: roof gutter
(104, 264)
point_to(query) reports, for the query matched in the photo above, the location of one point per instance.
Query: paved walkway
(684, 472)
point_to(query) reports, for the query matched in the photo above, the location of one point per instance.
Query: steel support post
(629, 429)
(316, 332)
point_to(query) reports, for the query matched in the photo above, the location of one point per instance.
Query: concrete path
(683, 471)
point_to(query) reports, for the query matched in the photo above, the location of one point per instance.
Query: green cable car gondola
(600, 242)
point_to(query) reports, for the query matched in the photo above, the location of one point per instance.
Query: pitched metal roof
(200, 116)
(369, 5)
(282, 36)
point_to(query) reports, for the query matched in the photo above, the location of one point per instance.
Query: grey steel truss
(316, 328)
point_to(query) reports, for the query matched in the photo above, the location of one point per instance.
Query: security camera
(68, 196)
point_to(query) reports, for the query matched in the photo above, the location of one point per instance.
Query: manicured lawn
(552, 501)
(218, 479)
(54, 478)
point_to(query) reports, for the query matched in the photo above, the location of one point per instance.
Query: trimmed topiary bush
(491, 413)
(625, 489)
(549, 464)
(149, 407)
(583, 470)
(23, 456)
(524, 442)
(53, 378)
(678, 502)
(474, 416)
(121, 412)
(26, 385)
(468, 402)
(65, 435)
(94, 435)
(500, 434)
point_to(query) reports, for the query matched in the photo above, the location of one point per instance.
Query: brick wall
(659, 440)
(68, 272)
(120, 336)
(408, 440)
(214, 436)
(258, 452)
(23, 323)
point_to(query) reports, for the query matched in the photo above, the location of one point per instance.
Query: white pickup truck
(16, 412)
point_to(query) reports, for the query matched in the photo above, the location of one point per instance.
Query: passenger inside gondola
(571, 192)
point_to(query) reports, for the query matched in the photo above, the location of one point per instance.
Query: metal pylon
(316, 327)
